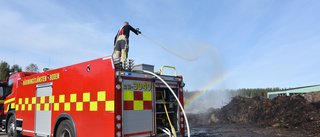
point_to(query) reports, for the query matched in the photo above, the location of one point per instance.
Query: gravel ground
(3, 134)
(235, 130)
(241, 130)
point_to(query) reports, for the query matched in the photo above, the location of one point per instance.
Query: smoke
(215, 98)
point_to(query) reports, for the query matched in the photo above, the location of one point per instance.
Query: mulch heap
(292, 113)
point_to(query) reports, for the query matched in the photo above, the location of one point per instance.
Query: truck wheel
(11, 127)
(65, 129)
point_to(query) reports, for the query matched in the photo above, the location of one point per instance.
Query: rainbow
(207, 88)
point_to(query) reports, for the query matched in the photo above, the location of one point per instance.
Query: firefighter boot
(123, 55)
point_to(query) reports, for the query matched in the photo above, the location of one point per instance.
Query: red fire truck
(99, 98)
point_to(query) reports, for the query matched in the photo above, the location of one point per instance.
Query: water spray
(170, 51)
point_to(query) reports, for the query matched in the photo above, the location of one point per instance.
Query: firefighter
(121, 41)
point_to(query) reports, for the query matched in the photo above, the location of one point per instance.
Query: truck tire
(65, 129)
(11, 127)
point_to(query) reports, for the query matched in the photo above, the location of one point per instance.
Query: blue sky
(238, 44)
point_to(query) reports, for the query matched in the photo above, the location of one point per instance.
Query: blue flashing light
(127, 74)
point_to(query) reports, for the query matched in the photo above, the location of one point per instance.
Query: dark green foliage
(15, 68)
(253, 92)
(4, 70)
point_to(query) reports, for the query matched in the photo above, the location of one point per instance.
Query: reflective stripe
(7, 109)
(42, 99)
(79, 106)
(55, 106)
(138, 105)
(65, 102)
(23, 107)
(61, 98)
(43, 103)
(12, 104)
(109, 105)
(86, 97)
(26, 101)
(102, 96)
(33, 100)
(46, 107)
(147, 96)
(9, 100)
(73, 98)
(94, 106)
(128, 95)
(38, 107)
(66, 106)
(29, 107)
(137, 100)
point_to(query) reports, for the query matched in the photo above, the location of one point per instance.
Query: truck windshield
(9, 88)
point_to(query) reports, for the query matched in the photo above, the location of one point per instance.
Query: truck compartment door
(43, 109)
(137, 108)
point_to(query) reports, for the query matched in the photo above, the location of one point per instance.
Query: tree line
(5, 69)
(254, 92)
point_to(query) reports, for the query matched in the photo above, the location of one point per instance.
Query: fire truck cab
(101, 97)
(3, 86)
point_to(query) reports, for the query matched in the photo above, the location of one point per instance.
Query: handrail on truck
(175, 71)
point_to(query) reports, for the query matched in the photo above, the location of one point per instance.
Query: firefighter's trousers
(121, 48)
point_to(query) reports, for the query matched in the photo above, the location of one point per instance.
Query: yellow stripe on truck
(63, 104)
(9, 100)
(128, 95)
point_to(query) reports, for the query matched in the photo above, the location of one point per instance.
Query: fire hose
(165, 108)
(163, 47)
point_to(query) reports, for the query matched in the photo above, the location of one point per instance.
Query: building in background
(293, 91)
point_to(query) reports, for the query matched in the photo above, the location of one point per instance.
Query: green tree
(4, 70)
(32, 68)
(261, 92)
(15, 68)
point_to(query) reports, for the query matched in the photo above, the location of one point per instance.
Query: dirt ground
(282, 116)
